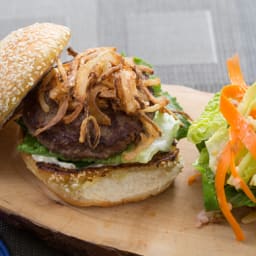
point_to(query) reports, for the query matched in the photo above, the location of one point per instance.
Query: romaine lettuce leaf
(215, 146)
(185, 123)
(236, 197)
(208, 123)
(247, 167)
(32, 146)
(140, 61)
(157, 90)
(249, 101)
(209, 192)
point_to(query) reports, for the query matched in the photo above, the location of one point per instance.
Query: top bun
(25, 56)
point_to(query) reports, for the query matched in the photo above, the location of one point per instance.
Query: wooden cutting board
(162, 225)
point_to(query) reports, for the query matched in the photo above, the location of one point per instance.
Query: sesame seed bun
(107, 186)
(25, 56)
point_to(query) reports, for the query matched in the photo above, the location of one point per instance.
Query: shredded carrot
(253, 113)
(234, 71)
(192, 178)
(220, 179)
(237, 122)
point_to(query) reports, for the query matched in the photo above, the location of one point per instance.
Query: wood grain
(161, 225)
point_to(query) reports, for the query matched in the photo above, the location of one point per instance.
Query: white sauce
(53, 160)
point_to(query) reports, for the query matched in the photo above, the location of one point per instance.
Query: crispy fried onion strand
(94, 68)
(108, 72)
(145, 69)
(57, 118)
(72, 116)
(85, 133)
(163, 101)
(96, 80)
(71, 52)
(41, 93)
(63, 73)
(58, 89)
(151, 82)
(93, 108)
(152, 108)
(61, 78)
(126, 91)
(183, 113)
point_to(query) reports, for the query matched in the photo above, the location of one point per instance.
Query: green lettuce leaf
(208, 123)
(209, 192)
(140, 61)
(157, 90)
(247, 167)
(236, 197)
(249, 101)
(32, 146)
(215, 145)
(185, 123)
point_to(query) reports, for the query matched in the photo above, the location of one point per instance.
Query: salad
(225, 135)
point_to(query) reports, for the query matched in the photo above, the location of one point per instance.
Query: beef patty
(64, 138)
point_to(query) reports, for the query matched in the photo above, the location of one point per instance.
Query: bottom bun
(108, 185)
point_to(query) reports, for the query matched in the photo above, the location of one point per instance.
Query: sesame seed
(20, 53)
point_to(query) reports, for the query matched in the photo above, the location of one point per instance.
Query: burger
(225, 135)
(96, 130)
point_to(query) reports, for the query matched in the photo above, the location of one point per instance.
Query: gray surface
(188, 42)
(194, 29)
(226, 35)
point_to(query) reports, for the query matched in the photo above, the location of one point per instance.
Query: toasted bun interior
(25, 55)
(107, 186)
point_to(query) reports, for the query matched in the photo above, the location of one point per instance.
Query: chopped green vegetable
(247, 167)
(185, 123)
(209, 192)
(140, 61)
(32, 146)
(215, 145)
(249, 101)
(208, 123)
(236, 197)
(157, 90)
(123, 54)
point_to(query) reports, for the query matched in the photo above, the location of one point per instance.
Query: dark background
(187, 41)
